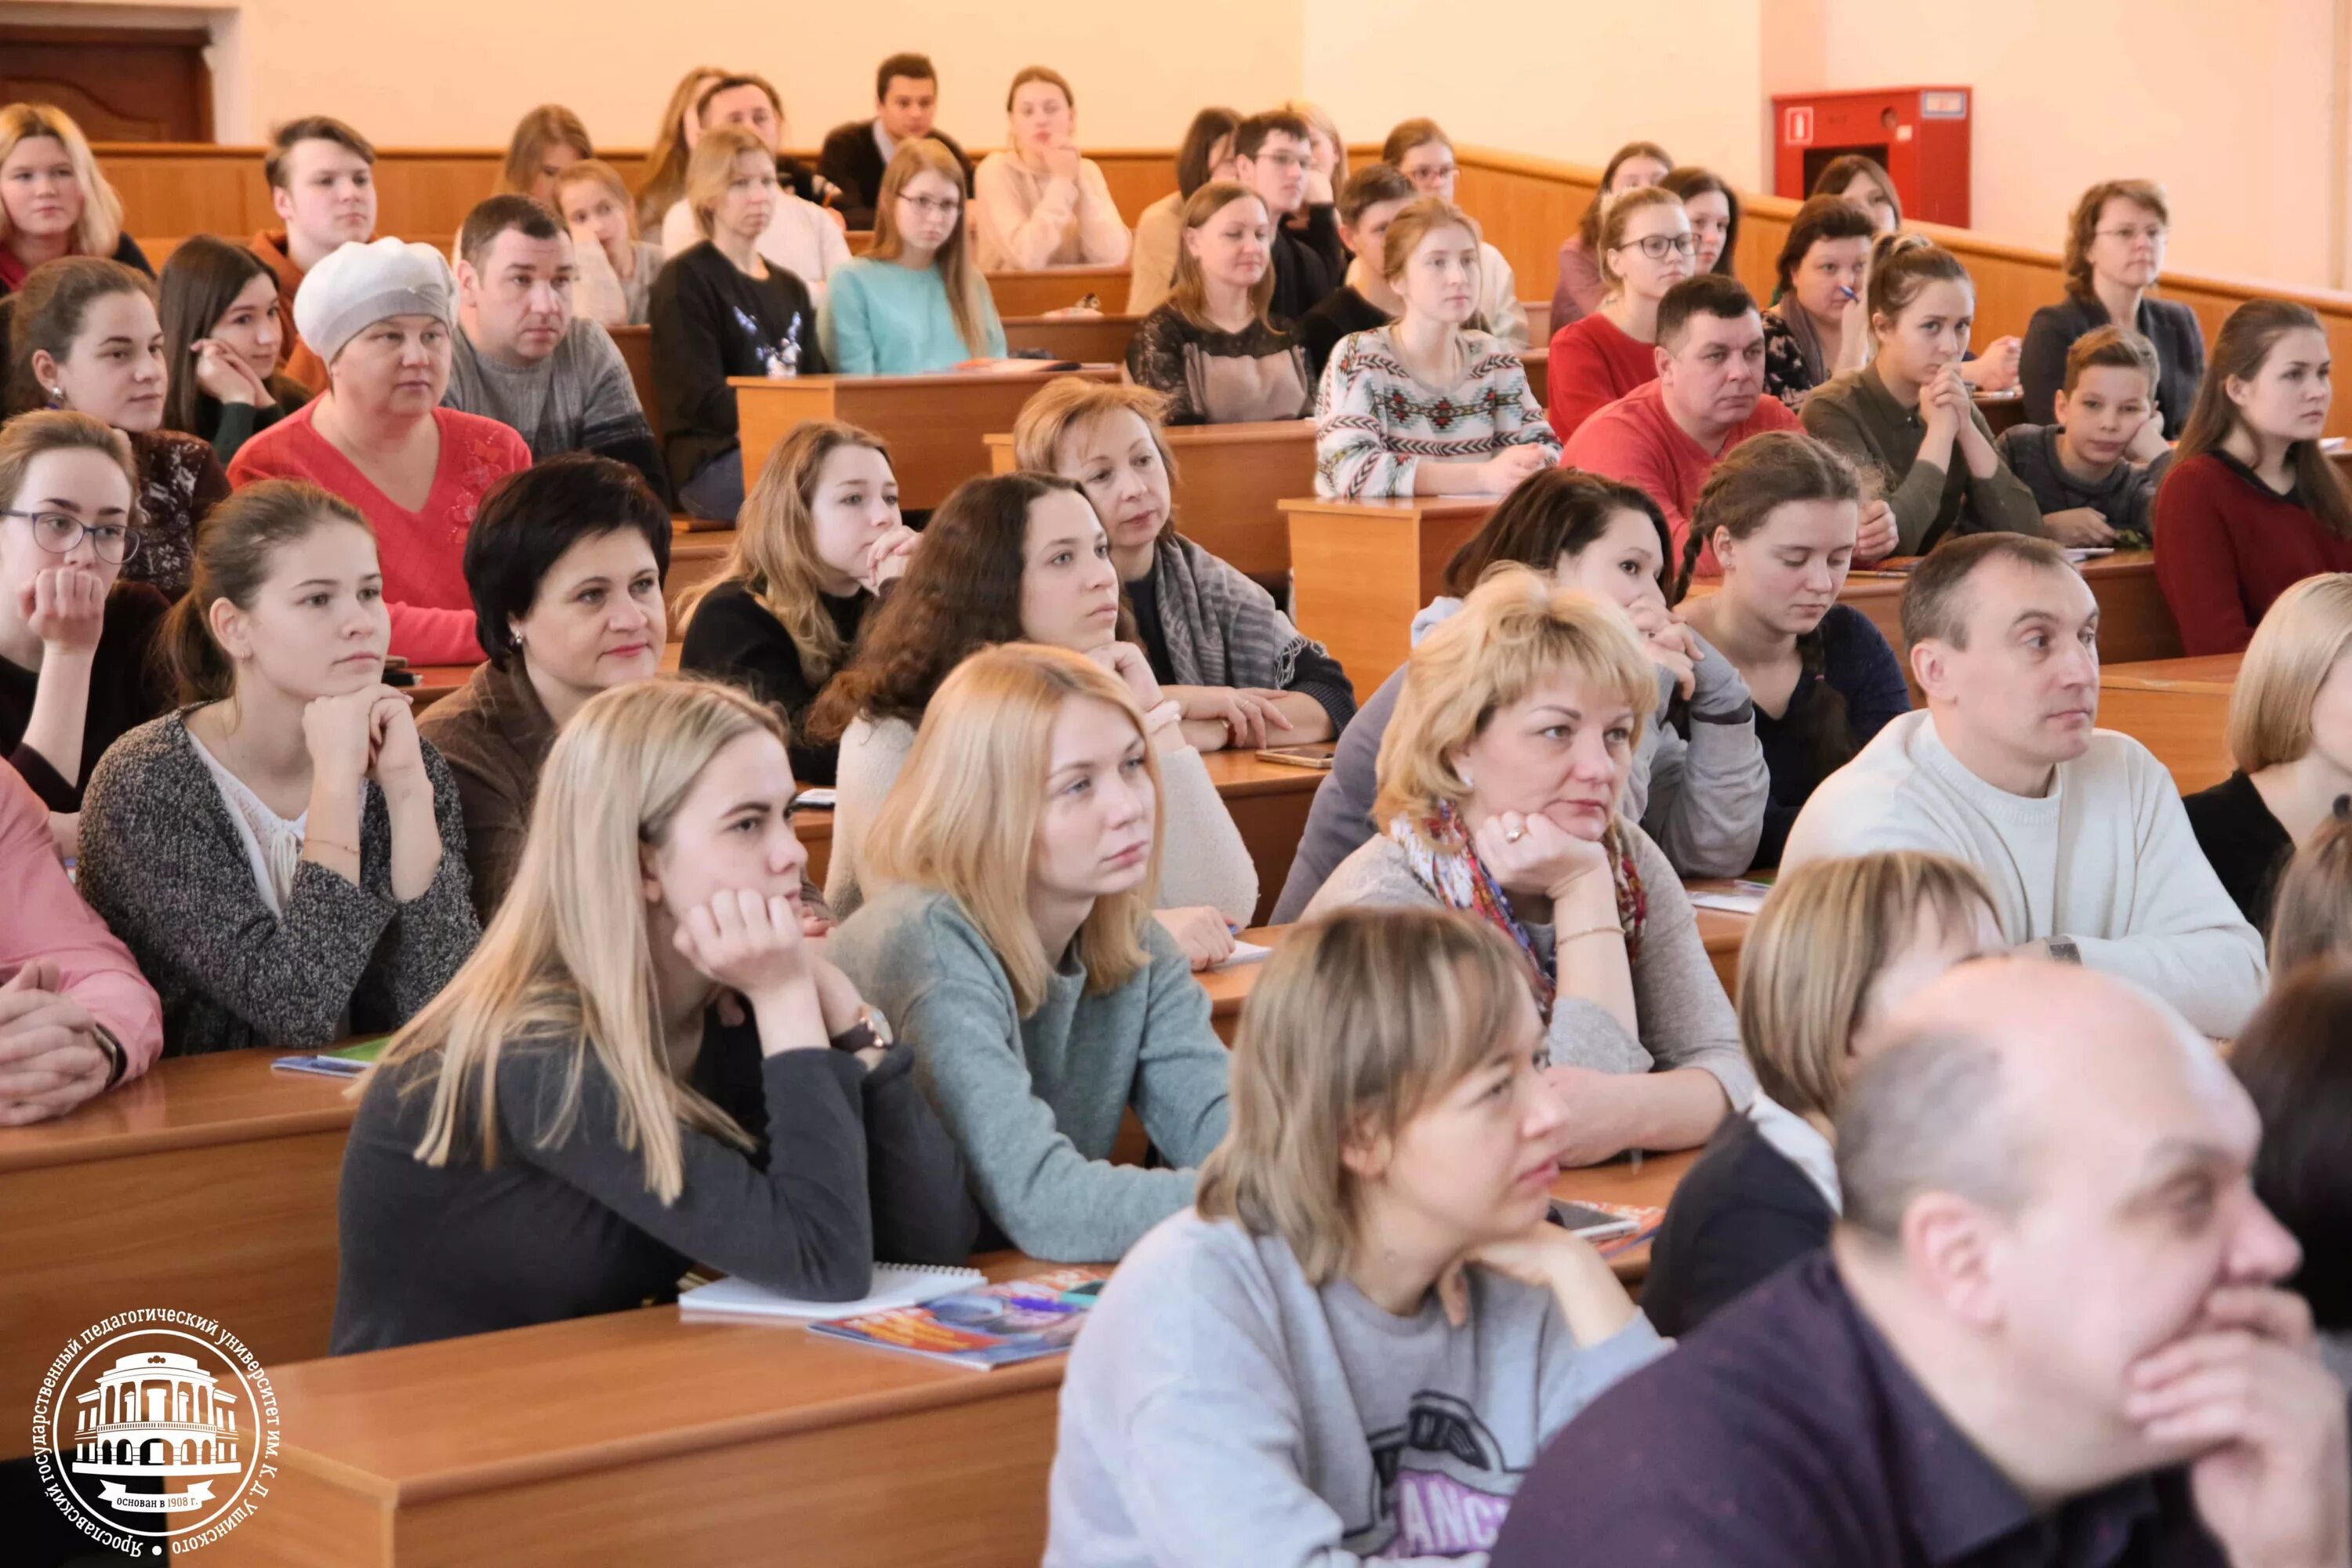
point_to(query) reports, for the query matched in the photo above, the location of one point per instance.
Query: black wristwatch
(871, 1030)
(2063, 951)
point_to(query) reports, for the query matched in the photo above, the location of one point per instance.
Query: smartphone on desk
(1316, 754)
(1593, 1223)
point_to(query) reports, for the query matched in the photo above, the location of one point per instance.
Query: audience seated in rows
(2079, 832)
(796, 234)
(1363, 301)
(821, 538)
(1363, 1335)
(223, 342)
(1646, 248)
(1580, 289)
(1211, 350)
(1041, 204)
(614, 287)
(1206, 153)
(1696, 779)
(916, 303)
(2051, 1324)
(1272, 156)
(1837, 945)
(1501, 779)
(645, 1066)
(284, 856)
(1428, 405)
(1421, 152)
(2114, 256)
(2094, 474)
(321, 177)
(1011, 943)
(523, 357)
(381, 316)
(1819, 325)
(856, 155)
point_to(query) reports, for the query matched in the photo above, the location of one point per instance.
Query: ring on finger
(1513, 835)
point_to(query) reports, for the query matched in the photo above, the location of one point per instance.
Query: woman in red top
(2251, 505)
(379, 316)
(1645, 249)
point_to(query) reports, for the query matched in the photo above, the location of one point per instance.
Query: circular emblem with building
(155, 1426)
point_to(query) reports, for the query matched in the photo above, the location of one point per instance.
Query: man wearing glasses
(1271, 157)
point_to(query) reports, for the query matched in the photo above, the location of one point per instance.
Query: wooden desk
(636, 346)
(1537, 360)
(2001, 409)
(207, 1184)
(1231, 481)
(934, 424)
(1021, 294)
(1361, 570)
(1087, 339)
(2176, 708)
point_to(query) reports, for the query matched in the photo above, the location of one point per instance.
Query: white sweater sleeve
(1202, 859)
(871, 756)
(1017, 236)
(1102, 233)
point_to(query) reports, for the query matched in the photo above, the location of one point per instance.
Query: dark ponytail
(1755, 480)
(234, 552)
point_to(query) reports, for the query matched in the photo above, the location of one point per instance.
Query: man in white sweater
(2079, 831)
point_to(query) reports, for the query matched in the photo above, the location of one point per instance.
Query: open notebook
(894, 1284)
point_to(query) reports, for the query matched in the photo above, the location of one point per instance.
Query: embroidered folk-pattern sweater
(1376, 422)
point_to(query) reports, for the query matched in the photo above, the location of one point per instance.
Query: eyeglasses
(1657, 246)
(934, 206)
(57, 533)
(2153, 232)
(1433, 176)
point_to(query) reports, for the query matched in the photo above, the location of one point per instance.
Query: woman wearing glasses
(1421, 152)
(2115, 251)
(1646, 249)
(73, 640)
(916, 302)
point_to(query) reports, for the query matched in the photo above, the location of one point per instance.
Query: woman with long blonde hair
(675, 134)
(1013, 944)
(546, 142)
(1366, 1307)
(820, 538)
(54, 201)
(644, 1066)
(916, 302)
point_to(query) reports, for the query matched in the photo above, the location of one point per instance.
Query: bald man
(2048, 1329)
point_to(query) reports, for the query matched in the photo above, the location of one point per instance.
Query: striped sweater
(1375, 423)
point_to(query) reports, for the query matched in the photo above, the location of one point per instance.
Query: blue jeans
(715, 494)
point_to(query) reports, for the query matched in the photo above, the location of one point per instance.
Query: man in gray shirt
(522, 358)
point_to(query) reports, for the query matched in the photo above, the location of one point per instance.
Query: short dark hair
(914, 68)
(2294, 1058)
(1551, 513)
(311, 128)
(1821, 218)
(1371, 185)
(494, 216)
(1707, 294)
(1934, 604)
(711, 90)
(530, 519)
(1251, 133)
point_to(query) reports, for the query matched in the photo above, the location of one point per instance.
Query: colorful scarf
(1438, 850)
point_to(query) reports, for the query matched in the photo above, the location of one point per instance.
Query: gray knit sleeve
(429, 937)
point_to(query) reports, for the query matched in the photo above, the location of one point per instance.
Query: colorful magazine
(992, 1326)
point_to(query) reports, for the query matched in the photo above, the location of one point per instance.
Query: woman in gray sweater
(1500, 780)
(1355, 1344)
(284, 856)
(1016, 952)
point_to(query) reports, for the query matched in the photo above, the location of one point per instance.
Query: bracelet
(1559, 942)
(310, 838)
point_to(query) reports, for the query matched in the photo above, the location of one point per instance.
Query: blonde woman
(616, 269)
(1015, 949)
(719, 308)
(1839, 943)
(916, 303)
(1500, 778)
(53, 200)
(1211, 350)
(675, 135)
(1040, 203)
(644, 1066)
(2290, 734)
(1225, 652)
(2311, 913)
(819, 538)
(546, 142)
(1356, 1343)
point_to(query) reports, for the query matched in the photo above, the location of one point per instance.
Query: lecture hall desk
(1087, 337)
(2176, 708)
(934, 424)
(207, 1184)
(639, 1437)
(1231, 481)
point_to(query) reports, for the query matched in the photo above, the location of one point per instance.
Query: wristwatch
(116, 1058)
(2063, 951)
(871, 1030)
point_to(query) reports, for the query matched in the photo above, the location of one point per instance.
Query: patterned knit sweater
(1375, 423)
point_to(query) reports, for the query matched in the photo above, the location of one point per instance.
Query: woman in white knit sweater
(1041, 204)
(1021, 558)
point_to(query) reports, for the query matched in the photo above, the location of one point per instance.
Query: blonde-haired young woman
(916, 302)
(1501, 777)
(1838, 944)
(1358, 1339)
(818, 539)
(2290, 734)
(644, 1066)
(54, 201)
(1015, 949)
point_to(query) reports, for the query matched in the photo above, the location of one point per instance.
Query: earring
(57, 397)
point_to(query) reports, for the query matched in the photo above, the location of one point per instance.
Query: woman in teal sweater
(915, 303)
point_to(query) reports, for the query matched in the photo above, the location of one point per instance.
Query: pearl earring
(57, 397)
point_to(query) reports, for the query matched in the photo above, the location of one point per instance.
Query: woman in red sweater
(379, 316)
(2251, 505)
(1645, 249)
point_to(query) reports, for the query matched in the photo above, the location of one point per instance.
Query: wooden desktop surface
(2176, 708)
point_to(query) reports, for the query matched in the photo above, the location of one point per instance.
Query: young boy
(1372, 197)
(2095, 472)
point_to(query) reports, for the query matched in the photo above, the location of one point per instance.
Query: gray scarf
(1221, 628)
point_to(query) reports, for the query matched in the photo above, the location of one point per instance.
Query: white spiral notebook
(894, 1284)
